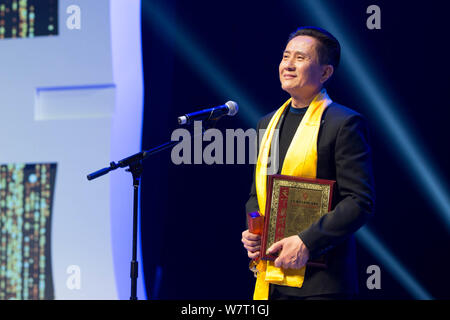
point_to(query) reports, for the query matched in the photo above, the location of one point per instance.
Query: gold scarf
(300, 161)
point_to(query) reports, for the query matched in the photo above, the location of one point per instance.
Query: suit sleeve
(252, 203)
(354, 182)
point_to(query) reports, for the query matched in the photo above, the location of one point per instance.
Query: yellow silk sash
(300, 161)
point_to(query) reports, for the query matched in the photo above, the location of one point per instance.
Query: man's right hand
(252, 242)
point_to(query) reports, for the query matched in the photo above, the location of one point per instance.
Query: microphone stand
(135, 167)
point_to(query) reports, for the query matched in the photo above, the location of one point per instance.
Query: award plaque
(292, 205)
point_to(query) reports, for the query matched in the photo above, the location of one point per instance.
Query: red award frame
(292, 205)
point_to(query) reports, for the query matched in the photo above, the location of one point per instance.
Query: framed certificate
(292, 205)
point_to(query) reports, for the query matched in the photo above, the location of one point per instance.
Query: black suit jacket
(344, 156)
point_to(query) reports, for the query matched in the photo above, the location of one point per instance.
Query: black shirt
(288, 129)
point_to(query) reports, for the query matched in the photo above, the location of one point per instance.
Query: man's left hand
(294, 254)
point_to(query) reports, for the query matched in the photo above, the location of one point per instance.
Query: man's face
(300, 71)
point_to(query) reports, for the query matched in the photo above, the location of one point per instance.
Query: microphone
(230, 109)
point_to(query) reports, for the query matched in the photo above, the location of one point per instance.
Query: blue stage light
(216, 76)
(383, 108)
(394, 266)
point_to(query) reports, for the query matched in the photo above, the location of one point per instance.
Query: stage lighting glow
(194, 54)
(26, 201)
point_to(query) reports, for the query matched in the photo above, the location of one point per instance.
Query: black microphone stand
(135, 166)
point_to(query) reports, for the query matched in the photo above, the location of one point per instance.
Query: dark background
(193, 215)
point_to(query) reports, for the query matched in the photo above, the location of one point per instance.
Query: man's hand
(252, 242)
(294, 254)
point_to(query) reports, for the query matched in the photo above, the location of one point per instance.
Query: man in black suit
(343, 154)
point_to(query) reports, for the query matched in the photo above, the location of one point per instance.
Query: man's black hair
(329, 49)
